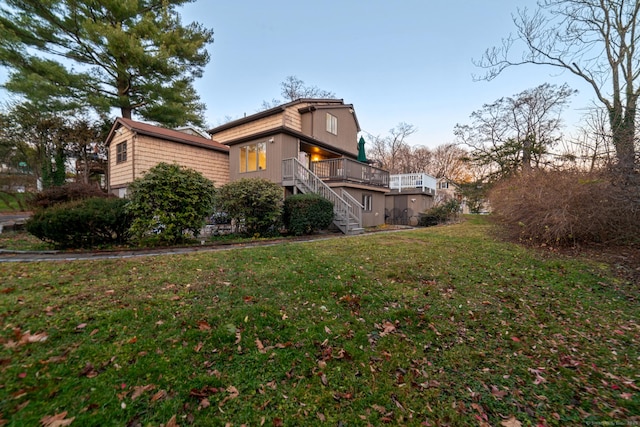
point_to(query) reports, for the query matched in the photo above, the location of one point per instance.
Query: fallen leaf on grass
(342, 396)
(28, 338)
(172, 422)
(511, 422)
(138, 390)
(159, 396)
(21, 406)
(323, 379)
(387, 328)
(497, 393)
(539, 378)
(233, 393)
(380, 409)
(205, 391)
(57, 420)
(88, 371)
(260, 346)
(204, 326)
(204, 403)
(285, 345)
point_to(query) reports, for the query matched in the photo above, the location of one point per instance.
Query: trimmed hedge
(82, 224)
(65, 193)
(254, 204)
(307, 213)
(169, 203)
(440, 214)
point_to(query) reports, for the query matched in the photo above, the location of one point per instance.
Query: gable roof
(317, 103)
(165, 134)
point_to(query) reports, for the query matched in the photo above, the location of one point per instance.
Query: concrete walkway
(11, 220)
(8, 221)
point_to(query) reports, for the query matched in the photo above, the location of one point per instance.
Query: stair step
(309, 183)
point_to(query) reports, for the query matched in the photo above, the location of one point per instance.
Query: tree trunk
(527, 147)
(623, 129)
(126, 112)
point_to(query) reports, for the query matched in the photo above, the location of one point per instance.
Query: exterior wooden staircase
(347, 210)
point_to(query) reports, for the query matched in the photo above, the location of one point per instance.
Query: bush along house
(310, 146)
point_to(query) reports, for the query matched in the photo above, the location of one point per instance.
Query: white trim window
(367, 202)
(253, 157)
(121, 152)
(332, 124)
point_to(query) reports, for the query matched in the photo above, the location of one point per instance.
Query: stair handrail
(355, 207)
(345, 207)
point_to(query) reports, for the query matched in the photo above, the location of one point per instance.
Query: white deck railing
(405, 181)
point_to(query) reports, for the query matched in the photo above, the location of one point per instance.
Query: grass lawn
(436, 326)
(12, 202)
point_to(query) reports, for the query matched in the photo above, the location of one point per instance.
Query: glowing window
(253, 157)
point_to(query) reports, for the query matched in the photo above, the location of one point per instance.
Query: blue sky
(395, 61)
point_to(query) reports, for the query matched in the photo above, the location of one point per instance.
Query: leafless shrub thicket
(563, 208)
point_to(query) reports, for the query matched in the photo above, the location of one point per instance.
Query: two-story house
(309, 145)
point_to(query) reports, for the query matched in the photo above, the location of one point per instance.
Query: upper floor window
(443, 185)
(253, 157)
(121, 152)
(332, 124)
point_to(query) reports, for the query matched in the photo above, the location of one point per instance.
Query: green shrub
(254, 204)
(307, 213)
(168, 201)
(65, 193)
(82, 224)
(440, 214)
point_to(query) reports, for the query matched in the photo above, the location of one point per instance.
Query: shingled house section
(136, 147)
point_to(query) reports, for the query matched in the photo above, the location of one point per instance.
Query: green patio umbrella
(362, 157)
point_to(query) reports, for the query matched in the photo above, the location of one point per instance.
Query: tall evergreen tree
(135, 55)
